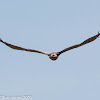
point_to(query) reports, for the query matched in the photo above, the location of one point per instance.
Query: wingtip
(1, 40)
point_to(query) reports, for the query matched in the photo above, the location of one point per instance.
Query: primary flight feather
(54, 55)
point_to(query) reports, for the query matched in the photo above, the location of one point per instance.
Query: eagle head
(53, 56)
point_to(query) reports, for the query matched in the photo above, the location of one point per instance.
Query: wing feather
(81, 44)
(20, 48)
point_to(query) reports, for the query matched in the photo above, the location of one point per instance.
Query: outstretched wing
(20, 48)
(81, 44)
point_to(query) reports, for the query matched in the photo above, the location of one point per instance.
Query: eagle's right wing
(20, 48)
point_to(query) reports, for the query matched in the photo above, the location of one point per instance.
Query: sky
(51, 26)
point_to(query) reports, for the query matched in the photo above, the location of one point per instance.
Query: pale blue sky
(50, 25)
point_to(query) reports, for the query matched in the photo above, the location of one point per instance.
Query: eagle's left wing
(81, 44)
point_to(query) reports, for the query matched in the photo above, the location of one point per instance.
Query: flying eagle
(54, 55)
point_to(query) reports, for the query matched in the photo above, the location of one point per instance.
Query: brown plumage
(54, 55)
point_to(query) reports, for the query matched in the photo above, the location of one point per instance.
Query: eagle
(54, 55)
